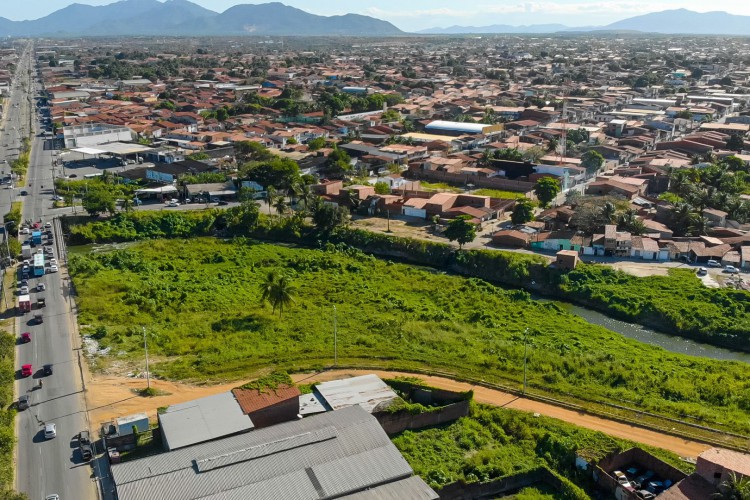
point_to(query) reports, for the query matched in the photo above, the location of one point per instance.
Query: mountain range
(184, 18)
(676, 21)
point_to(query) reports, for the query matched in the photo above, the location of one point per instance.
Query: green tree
(328, 217)
(198, 156)
(222, 114)
(685, 114)
(252, 151)
(278, 291)
(280, 205)
(278, 172)
(270, 197)
(382, 188)
(735, 142)
(462, 230)
(523, 212)
(546, 189)
(592, 161)
(579, 135)
(98, 201)
(534, 153)
(316, 144)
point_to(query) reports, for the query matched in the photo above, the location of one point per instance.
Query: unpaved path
(109, 397)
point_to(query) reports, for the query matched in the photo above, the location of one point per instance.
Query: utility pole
(145, 347)
(335, 340)
(525, 356)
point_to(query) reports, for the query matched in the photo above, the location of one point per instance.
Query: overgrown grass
(500, 193)
(440, 186)
(201, 298)
(492, 443)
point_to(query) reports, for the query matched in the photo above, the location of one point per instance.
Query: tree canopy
(546, 189)
(461, 229)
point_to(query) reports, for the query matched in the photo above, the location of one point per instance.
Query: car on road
(731, 269)
(48, 225)
(50, 431)
(54, 496)
(47, 369)
(53, 262)
(222, 202)
(24, 290)
(23, 402)
(26, 370)
(53, 268)
(25, 337)
(173, 204)
(713, 263)
(38, 319)
(25, 230)
(40, 287)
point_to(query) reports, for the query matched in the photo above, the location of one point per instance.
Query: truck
(84, 444)
(24, 303)
(36, 237)
(26, 251)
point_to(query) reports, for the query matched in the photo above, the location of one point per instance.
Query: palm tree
(306, 196)
(280, 205)
(270, 197)
(698, 225)
(277, 291)
(734, 488)
(609, 211)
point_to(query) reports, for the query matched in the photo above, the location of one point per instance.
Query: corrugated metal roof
(413, 488)
(366, 391)
(202, 420)
(360, 456)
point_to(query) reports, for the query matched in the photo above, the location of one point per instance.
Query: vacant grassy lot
(500, 193)
(492, 443)
(200, 300)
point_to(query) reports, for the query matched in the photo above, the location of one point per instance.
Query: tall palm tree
(698, 225)
(609, 210)
(306, 196)
(280, 205)
(270, 197)
(278, 291)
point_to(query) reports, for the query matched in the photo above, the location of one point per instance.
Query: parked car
(713, 263)
(643, 478)
(40, 287)
(50, 431)
(173, 204)
(23, 193)
(48, 225)
(24, 290)
(222, 202)
(53, 269)
(655, 487)
(38, 319)
(26, 370)
(23, 402)
(731, 269)
(645, 494)
(623, 480)
(53, 262)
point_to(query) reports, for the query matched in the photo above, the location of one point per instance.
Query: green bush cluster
(7, 410)
(201, 300)
(492, 443)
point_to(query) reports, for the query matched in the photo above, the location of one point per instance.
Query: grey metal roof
(202, 420)
(323, 456)
(366, 391)
(413, 488)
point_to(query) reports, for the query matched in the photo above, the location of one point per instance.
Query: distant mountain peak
(185, 18)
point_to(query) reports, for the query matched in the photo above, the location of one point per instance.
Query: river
(669, 342)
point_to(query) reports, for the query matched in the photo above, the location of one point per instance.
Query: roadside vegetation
(201, 299)
(7, 416)
(492, 443)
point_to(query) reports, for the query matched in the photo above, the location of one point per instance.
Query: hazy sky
(419, 14)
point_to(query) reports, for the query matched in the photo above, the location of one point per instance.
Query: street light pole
(335, 340)
(145, 347)
(525, 357)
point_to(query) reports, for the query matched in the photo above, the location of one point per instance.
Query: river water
(669, 342)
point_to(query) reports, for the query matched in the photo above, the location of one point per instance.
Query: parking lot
(77, 165)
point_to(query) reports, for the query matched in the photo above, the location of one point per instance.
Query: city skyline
(423, 14)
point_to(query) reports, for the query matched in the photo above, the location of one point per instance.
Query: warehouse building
(441, 127)
(338, 454)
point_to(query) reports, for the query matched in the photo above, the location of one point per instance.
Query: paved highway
(45, 467)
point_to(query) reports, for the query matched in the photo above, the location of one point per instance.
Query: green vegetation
(440, 186)
(7, 414)
(461, 230)
(269, 382)
(499, 193)
(546, 189)
(492, 443)
(201, 298)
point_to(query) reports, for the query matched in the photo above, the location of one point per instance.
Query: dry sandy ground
(110, 396)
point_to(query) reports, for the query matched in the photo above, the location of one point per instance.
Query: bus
(38, 264)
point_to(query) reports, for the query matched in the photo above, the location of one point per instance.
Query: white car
(53, 268)
(25, 231)
(731, 269)
(40, 287)
(173, 204)
(48, 225)
(24, 290)
(53, 496)
(53, 262)
(50, 431)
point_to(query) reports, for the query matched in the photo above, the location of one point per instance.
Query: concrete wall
(643, 460)
(462, 491)
(393, 423)
(281, 412)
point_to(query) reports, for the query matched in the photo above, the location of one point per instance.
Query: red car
(25, 338)
(26, 370)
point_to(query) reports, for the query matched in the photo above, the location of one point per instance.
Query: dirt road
(109, 397)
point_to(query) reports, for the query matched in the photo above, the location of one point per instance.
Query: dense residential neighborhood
(321, 257)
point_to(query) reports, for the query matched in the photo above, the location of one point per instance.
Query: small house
(567, 259)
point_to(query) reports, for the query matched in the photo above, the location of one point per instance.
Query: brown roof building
(269, 408)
